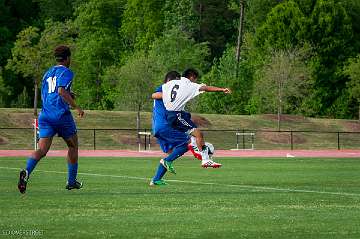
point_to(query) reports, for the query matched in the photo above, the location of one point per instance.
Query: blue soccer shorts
(169, 138)
(181, 120)
(64, 127)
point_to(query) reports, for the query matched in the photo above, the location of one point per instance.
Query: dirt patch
(352, 126)
(200, 121)
(280, 138)
(285, 118)
(131, 139)
(22, 119)
(3, 140)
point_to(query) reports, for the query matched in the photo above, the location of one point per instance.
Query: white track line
(249, 187)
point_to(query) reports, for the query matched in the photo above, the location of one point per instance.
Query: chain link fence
(129, 139)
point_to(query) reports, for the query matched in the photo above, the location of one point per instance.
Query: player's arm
(157, 96)
(214, 89)
(69, 99)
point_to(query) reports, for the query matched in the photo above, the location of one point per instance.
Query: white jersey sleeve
(177, 93)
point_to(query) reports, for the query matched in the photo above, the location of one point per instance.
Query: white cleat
(210, 164)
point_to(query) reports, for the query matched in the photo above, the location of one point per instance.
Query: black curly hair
(61, 53)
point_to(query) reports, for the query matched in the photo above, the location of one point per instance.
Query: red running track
(218, 153)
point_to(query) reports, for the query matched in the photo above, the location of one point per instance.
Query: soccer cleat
(158, 183)
(210, 164)
(23, 178)
(77, 185)
(168, 165)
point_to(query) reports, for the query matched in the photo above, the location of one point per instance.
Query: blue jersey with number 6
(53, 105)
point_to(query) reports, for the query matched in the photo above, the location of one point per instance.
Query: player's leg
(161, 170)
(157, 179)
(36, 156)
(210, 163)
(174, 143)
(72, 161)
(184, 123)
(67, 130)
(177, 152)
(178, 141)
(46, 135)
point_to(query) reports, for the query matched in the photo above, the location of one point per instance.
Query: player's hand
(227, 91)
(73, 95)
(80, 112)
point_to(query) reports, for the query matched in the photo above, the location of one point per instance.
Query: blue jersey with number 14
(53, 105)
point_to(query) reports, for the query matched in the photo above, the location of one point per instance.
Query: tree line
(295, 56)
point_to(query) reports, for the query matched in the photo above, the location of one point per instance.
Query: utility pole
(240, 35)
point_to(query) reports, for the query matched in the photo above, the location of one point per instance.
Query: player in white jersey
(175, 95)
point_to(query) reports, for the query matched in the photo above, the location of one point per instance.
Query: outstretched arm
(214, 89)
(69, 99)
(157, 96)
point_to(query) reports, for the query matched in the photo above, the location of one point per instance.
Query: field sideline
(246, 198)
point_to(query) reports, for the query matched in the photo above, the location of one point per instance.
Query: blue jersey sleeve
(65, 79)
(159, 89)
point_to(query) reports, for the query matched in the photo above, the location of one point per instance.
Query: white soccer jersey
(177, 93)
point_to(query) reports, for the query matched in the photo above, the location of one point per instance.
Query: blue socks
(177, 152)
(160, 172)
(30, 165)
(72, 169)
(72, 173)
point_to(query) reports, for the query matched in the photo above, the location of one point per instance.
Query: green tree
(27, 59)
(136, 81)
(4, 90)
(216, 24)
(142, 23)
(330, 34)
(6, 34)
(22, 101)
(175, 50)
(56, 10)
(352, 9)
(256, 12)
(283, 83)
(32, 52)
(98, 46)
(180, 14)
(223, 74)
(283, 28)
(353, 86)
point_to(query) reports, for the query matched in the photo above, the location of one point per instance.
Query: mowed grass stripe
(249, 187)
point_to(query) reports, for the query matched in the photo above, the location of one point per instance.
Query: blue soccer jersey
(55, 116)
(53, 105)
(159, 120)
(167, 137)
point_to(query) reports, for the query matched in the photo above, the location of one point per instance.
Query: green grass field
(246, 198)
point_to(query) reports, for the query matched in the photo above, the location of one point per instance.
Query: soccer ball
(211, 148)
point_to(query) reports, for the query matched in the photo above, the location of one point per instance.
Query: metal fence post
(291, 140)
(338, 139)
(94, 139)
(237, 139)
(243, 138)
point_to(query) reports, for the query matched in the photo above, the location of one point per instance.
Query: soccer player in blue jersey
(55, 118)
(171, 141)
(175, 94)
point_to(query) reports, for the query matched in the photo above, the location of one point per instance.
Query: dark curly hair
(172, 75)
(189, 72)
(61, 53)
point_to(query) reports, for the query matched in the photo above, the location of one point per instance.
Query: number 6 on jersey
(174, 93)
